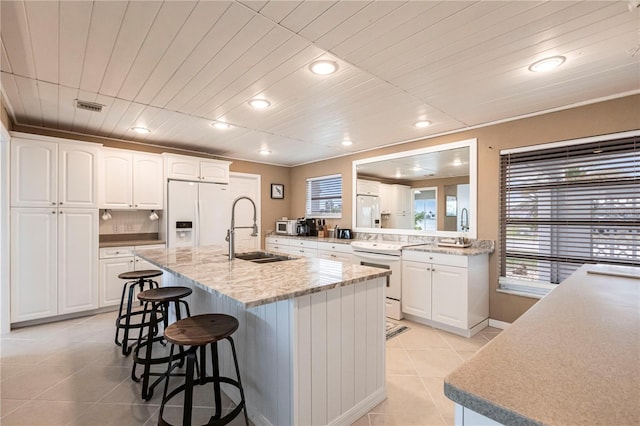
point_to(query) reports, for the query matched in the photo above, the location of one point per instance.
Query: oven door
(385, 261)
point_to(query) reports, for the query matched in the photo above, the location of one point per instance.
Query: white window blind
(324, 197)
(566, 206)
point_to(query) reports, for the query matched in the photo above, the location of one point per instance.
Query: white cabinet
(183, 167)
(298, 247)
(113, 262)
(367, 187)
(77, 260)
(304, 248)
(130, 180)
(45, 173)
(338, 252)
(416, 288)
(386, 198)
(445, 290)
(53, 261)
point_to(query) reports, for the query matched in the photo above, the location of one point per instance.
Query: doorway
(425, 206)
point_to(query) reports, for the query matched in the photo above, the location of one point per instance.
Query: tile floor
(71, 373)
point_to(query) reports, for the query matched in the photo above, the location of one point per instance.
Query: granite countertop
(308, 238)
(252, 284)
(573, 358)
(484, 247)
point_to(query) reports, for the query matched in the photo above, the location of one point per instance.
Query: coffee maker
(307, 227)
(301, 227)
(312, 225)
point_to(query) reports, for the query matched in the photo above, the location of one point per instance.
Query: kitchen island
(572, 359)
(311, 342)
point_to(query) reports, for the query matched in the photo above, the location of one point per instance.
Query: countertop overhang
(573, 358)
(251, 284)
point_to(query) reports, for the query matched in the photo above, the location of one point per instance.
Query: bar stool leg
(126, 349)
(188, 391)
(215, 368)
(235, 361)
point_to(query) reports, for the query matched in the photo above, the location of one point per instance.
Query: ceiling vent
(89, 106)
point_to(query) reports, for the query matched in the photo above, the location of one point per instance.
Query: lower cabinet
(310, 248)
(54, 262)
(445, 290)
(113, 262)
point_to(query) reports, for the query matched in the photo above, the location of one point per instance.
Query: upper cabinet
(193, 168)
(367, 187)
(130, 180)
(46, 173)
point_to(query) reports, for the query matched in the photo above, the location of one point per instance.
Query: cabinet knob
(129, 205)
(136, 205)
(117, 252)
(53, 212)
(53, 204)
(131, 261)
(60, 202)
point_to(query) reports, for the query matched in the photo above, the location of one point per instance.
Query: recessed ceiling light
(323, 67)
(347, 143)
(258, 103)
(547, 64)
(398, 175)
(141, 130)
(423, 123)
(457, 162)
(264, 151)
(221, 125)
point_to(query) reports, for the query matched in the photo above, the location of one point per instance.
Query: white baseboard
(362, 408)
(498, 324)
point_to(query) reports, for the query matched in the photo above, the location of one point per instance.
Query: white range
(387, 255)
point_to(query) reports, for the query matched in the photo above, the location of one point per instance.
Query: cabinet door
(184, 168)
(147, 182)
(449, 293)
(214, 171)
(110, 285)
(116, 179)
(416, 289)
(34, 173)
(77, 260)
(34, 291)
(77, 175)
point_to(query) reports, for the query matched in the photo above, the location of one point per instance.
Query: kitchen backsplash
(129, 222)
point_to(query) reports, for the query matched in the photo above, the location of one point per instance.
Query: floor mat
(394, 329)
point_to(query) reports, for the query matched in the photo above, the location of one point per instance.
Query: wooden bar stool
(197, 332)
(138, 279)
(157, 302)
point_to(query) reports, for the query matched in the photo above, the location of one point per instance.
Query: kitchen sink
(262, 257)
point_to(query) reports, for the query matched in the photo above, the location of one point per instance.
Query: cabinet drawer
(109, 252)
(149, 246)
(437, 258)
(342, 248)
(277, 240)
(303, 244)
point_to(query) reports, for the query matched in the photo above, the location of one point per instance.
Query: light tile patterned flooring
(417, 362)
(71, 373)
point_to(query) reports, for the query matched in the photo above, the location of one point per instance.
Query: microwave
(286, 227)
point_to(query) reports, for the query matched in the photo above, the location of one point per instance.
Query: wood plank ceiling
(176, 66)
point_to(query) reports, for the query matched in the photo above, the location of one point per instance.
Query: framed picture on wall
(277, 191)
(451, 206)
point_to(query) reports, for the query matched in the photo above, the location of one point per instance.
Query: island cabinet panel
(313, 359)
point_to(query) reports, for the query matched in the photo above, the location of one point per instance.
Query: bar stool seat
(140, 280)
(197, 332)
(157, 303)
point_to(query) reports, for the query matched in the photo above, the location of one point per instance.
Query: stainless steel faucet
(464, 219)
(231, 232)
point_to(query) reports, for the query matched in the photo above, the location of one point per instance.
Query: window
(324, 196)
(564, 206)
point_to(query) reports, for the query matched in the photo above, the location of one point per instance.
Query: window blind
(324, 197)
(566, 206)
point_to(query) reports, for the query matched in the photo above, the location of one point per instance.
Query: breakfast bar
(573, 358)
(311, 341)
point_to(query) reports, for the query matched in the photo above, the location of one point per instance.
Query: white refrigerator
(368, 211)
(198, 213)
